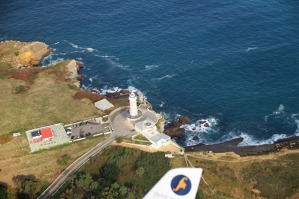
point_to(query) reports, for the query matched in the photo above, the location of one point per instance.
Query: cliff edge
(23, 54)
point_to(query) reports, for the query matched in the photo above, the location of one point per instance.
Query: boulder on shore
(173, 129)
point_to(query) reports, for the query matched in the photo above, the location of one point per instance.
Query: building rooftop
(103, 104)
(46, 133)
(158, 137)
(35, 134)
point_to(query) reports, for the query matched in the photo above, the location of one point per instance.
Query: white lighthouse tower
(133, 105)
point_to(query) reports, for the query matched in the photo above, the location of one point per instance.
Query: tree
(140, 171)
(110, 171)
(3, 191)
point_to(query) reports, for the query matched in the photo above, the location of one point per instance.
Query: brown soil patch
(88, 95)
(26, 75)
(5, 138)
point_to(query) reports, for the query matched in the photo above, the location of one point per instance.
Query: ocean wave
(48, 60)
(251, 48)
(164, 77)
(249, 140)
(89, 49)
(116, 64)
(201, 126)
(107, 56)
(112, 60)
(278, 111)
(150, 67)
(162, 104)
(105, 89)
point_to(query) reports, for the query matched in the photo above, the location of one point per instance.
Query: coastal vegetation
(117, 172)
(229, 176)
(38, 96)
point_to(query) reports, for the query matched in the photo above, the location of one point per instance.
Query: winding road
(121, 128)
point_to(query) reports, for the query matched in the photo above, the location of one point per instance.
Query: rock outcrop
(173, 129)
(32, 53)
(23, 54)
(73, 67)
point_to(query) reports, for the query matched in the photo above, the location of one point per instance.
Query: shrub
(20, 89)
(119, 140)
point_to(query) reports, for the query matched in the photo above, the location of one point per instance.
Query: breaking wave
(150, 67)
(249, 140)
(251, 48)
(202, 125)
(164, 77)
(89, 49)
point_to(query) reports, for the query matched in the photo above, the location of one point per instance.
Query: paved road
(119, 123)
(60, 180)
(121, 128)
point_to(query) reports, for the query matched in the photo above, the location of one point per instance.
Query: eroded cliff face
(23, 54)
(73, 67)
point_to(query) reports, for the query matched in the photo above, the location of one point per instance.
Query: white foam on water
(251, 48)
(116, 64)
(107, 56)
(150, 67)
(162, 104)
(165, 77)
(56, 43)
(296, 119)
(249, 140)
(279, 110)
(106, 89)
(201, 126)
(90, 49)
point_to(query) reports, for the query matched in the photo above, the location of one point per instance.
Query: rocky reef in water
(173, 129)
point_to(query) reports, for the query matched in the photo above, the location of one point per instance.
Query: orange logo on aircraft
(181, 185)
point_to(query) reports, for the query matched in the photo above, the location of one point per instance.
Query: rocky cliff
(23, 54)
(73, 67)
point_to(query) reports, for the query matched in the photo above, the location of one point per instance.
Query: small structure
(46, 133)
(133, 105)
(16, 134)
(46, 137)
(144, 122)
(36, 135)
(103, 104)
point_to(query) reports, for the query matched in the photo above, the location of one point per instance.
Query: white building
(133, 105)
(145, 123)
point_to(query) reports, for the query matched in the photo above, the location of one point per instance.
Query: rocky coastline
(174, 129)
(232, 146)
(30, 54)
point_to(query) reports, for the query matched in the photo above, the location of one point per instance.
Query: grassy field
(45, 100)
(16, 159)
(268, 176)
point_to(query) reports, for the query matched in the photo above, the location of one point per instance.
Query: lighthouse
(133, 105)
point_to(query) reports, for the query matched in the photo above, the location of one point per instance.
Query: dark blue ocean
(233, 63)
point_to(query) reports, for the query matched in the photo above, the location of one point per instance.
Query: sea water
(231, 63)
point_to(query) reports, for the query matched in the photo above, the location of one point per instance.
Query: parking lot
(86, 129)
